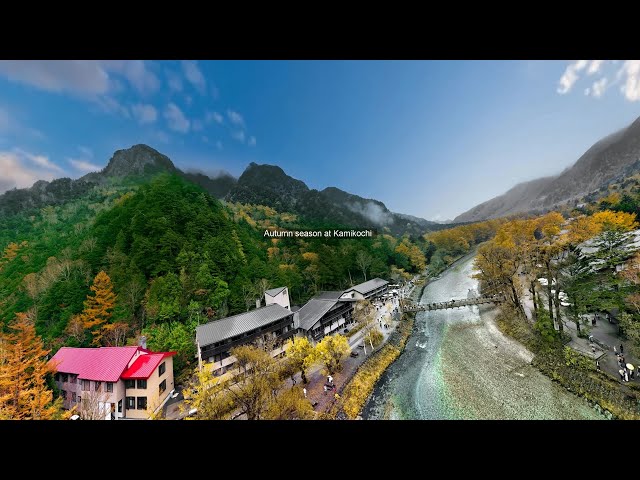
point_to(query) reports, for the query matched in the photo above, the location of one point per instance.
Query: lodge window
(57, 377)
(162, 368)
(142, 403)
(110, 387)
(65, 377)
(130, 384)
(73, 379)
(79, 398)
(163, 386)
(131, 403)
(119, 406)
(142, 384)
(64, 394)
(86, 385)
(97, 386)
(73, 396)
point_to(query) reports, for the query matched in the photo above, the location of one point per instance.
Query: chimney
(258, 302)
(142, 341)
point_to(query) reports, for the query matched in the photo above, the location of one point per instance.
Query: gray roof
(368, 286)
(312, 311)
(225, 328)
(274, 291)
(328, 295)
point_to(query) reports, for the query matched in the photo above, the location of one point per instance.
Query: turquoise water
(457, 365)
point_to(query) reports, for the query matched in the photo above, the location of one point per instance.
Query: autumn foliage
(24, 393)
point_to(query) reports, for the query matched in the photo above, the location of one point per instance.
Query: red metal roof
(145, 365)
(104, 364)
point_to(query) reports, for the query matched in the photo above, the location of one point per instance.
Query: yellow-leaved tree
(99, 306)
(332, 350)
(24, 394)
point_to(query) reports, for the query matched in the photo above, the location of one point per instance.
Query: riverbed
(458, 365)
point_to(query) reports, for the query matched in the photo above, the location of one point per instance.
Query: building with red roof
(113, 382)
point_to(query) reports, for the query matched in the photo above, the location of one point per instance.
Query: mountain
(137, 161)
(218, 186)
(608, 161)
(270, 185)
(259, 184)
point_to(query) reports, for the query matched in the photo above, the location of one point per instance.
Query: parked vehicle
(354, 353)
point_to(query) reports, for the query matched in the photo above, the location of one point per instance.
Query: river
(458, 365)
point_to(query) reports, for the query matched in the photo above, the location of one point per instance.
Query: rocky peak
(137, 160)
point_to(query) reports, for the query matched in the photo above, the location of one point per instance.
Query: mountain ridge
(262, 184)
(607, 161)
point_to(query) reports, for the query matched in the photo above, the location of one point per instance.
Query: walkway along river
(458, 365)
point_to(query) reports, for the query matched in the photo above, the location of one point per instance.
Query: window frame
(109, 387)
(133, 403)
(162, 386)
(127, 383)
(141, 384)
(88, 389)
(162, 369)
(138, 401)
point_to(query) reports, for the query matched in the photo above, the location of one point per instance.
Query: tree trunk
(532, 289)
(557, 300)
(549, 294)
(304, 377)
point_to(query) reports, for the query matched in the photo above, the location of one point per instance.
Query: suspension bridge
(408, 306)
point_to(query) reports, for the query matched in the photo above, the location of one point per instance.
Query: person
(626, 376)
(614, 350)
(597, 364)
(621, 348)
(330, 378)
(304, 392)
(621, 373)
(325, 388)
(593, 349)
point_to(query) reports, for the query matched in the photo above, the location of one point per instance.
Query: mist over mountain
(608, 161)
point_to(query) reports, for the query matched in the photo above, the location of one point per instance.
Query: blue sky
(428, 138)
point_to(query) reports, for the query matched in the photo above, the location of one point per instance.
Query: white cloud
(570, 76)
(88, 78)
(39, 160)
(15, 174)
(599, 87)
(12, 126)
(194, 75)
(631, 84)
(238, 135)
(86, 151)
(136, 72)
(627, 75)
(144, 113)
(83, 166)
(176, 119)
(213, 117)
(594, 66)
(235, 117)
(197, 125)
(219, 145)
(174, 81)
(110, 105)
(73, 76)
(252, 141)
